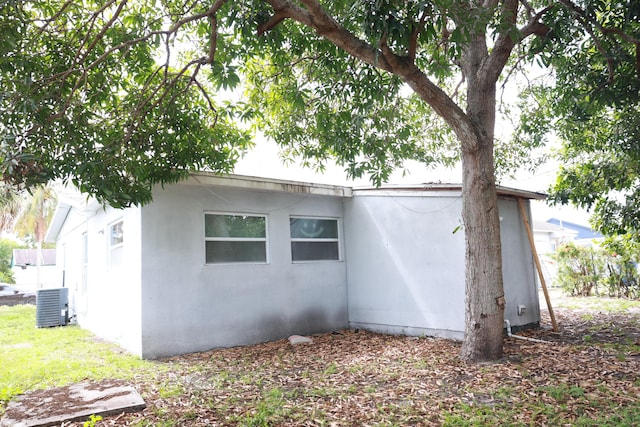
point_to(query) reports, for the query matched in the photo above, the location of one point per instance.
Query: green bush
(6, 253)
(621, 277)
(579, 269)
(610, 268)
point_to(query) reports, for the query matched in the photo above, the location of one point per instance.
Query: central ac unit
(52, 307)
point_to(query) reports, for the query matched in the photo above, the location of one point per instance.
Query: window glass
(314, 239)
(116, 242)
(218, 251)
(116, 236)
(234, 226)
(235, 238)
(312, 228)
(314, 251)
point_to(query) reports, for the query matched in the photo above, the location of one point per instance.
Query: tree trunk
(484, 290)
(484, 293)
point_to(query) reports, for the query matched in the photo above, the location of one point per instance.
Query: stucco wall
(401, 268)
(190, 306)
(108, 302)
(405, 261)
(518, 268)
(406, 264)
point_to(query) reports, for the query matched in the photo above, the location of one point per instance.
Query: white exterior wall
(27, 278)
(406, 264)
(189, 306)
(518, 268)
(401, 268)
(108, 303)
(405, 261)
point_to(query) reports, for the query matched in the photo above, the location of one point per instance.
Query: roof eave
(451, 187)
(267, 184)
(59, 217)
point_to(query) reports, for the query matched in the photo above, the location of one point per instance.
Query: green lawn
(36, 358)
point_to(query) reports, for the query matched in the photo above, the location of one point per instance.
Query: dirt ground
(350, 378)
(583, 325)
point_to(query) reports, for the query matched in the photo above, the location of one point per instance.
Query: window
(116, 237)
(314, 239)
(116, 242)
(235, 238)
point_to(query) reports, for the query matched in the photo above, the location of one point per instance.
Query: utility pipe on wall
(520, 337)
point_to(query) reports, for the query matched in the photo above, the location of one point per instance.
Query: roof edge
(502, 191)
(267, 184)
(58, 220)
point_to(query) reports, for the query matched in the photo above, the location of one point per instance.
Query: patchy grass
(39, 358)
(353, 378)
(592, 304)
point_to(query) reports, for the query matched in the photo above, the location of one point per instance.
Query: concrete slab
(76, 402)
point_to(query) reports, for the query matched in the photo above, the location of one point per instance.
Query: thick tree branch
(413, 40)
(277, 18)
(511, 36)
(315, 17)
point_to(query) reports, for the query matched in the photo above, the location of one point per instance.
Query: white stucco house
(30, 274)
(224, 261)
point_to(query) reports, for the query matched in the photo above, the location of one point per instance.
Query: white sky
(264, 161)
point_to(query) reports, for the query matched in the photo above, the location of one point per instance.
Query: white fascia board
(264, 184)
(59, 217)
(439, 189)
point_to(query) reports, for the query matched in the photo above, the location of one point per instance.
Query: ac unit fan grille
(52, 307)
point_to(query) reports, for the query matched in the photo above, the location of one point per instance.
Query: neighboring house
(585, 236)
(225, 261)
(25, 268)
(548, 237)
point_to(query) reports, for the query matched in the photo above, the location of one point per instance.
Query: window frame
(110, 228)
(336, 240)
(112, 248)
(264, 239)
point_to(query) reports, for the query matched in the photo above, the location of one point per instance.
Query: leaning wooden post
(525, 219)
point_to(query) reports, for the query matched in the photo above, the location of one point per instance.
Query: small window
(235, 238)
(116, 236)
(116, 243)
(314, 239)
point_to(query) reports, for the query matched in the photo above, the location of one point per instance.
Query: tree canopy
(116, 96)
(593, 106)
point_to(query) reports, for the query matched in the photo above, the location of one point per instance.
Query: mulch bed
(354, 378)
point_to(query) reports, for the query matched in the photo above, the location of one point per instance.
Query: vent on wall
(52, 307)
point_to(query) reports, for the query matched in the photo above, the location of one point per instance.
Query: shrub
(622, 254)
(6, 253)
(610, 268)
(579, 269)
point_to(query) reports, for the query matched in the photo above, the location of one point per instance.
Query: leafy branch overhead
(116, 96)
(593, 108)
